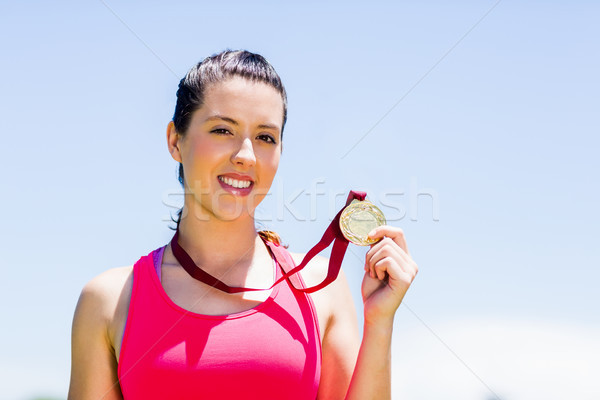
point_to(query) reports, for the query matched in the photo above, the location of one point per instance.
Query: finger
(406, 266)
(369, 269)
(369, 263)
(369, 285)
(396, 234)
(390, 250)
(380, 269)
(387, 247)
(391, 268)
(385, 242)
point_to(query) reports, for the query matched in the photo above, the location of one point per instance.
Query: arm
(389, 271)
(341, 339)
(93, 362)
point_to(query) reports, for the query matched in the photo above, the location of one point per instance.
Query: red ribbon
(332, 234)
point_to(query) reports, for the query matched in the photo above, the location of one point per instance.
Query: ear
(173, 141)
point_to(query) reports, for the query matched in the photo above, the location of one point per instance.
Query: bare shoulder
(93, 360)
(331, 299)
(316, 271)
(105, 289)
(104, 300)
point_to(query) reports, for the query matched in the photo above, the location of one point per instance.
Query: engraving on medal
(358, 219)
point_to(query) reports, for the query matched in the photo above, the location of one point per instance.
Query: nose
(244, 156)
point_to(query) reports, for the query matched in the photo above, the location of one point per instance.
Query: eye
(267, 138)
(220, 131)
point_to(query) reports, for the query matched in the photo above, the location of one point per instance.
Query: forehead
(241, 98)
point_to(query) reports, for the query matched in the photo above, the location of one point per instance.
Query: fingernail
(371, 233)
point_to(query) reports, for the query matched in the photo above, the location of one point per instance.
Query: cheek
(205, 153)
(271, 164)
(268, 168)
(199, 162)
(202, 147)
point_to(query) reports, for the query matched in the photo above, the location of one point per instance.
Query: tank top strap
(286, 262)
(157, 258)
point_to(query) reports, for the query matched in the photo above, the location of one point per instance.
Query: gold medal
(358, 219)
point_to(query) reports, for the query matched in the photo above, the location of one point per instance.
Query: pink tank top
(272, 351)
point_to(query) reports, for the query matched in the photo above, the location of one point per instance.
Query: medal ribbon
(332, 234)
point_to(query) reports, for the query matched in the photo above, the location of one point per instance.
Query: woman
(152, 330)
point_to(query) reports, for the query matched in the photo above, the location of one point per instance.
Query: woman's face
(231, 150)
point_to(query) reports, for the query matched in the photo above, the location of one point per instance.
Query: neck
(215, 244)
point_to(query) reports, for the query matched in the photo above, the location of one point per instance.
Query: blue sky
(488, 109)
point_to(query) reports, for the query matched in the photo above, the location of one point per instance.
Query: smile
(234, 182)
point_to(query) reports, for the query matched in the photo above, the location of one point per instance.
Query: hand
(389, 271)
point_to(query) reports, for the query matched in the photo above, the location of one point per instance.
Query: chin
(232, 211)
(226, 217)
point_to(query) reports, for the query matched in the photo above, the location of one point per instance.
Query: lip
(239, 177)
(237, 191)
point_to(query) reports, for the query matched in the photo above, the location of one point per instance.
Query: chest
(275, 343)
(197, 299)
(221, 361)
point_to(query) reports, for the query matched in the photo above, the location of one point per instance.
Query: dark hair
(214, 69)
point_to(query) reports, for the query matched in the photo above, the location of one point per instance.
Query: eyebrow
(234, 122)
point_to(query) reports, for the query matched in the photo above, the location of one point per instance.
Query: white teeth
(234, 182)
